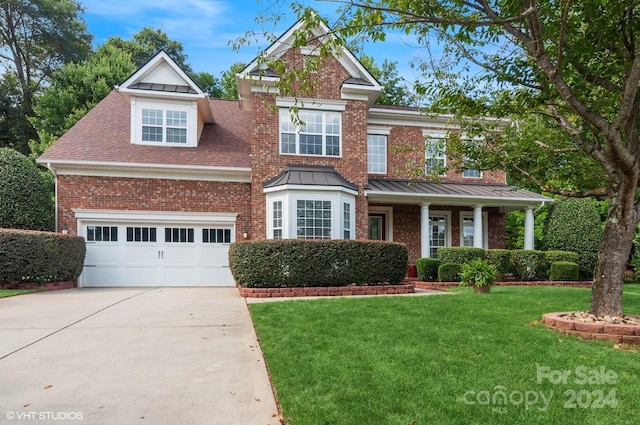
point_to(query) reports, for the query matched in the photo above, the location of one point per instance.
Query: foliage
(449, 272)
(574, 225)
(292, 263)
(76, 88)
(395, 90)
(427, 269)
(460, 254)
(553, 256)
(146, 43)
(478, 273)
(36, 38)
(529, 264)
(564, 271)
(30, 256)
(228, 83)
(25, 201)
(515, 228)
(501, 259)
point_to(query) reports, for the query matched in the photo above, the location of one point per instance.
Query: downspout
(55, 194)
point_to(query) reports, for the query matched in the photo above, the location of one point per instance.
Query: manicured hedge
(501, 259)
(449, 272)
(427, 269)
(529, 264)
(303, 263)
(564, 271)
(460, 254)
(553, 256)
(31, 256)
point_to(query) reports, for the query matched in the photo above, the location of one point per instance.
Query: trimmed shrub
(574, 225)
(449, 272)
(303, 263)
(528, 264)
(501, 259)
(25, 198)
(427, 269)
(30, 256)
(564, 271)
(553, 256)
(460, 254)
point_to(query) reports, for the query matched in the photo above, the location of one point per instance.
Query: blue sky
(205, 27)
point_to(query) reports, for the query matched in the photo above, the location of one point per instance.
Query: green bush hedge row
(449, 272)
(523, 264)
(302, 263)
(31, 256)
(564, 270)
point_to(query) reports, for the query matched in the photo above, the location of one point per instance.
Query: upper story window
(376, 154)
(317, 133)
(471, 173)
(435, 157)
(164, 123)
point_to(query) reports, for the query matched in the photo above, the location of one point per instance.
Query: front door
(377, 227)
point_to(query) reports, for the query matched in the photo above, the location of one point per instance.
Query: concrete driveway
(126, 356)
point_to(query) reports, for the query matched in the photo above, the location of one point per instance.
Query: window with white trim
(164, 126)
(376, 154)
(141, 234)
(346, 216)
(317, 133)
(179, 234)
(471, 173)
(102, 234)
(216, 236)
(277, 220)
(435, 157)
(437, 233)
(313, 219)
(467, 229)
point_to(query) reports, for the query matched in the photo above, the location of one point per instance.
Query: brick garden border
(48, 286)
(618, 333)
(443, 285)
(406, 288)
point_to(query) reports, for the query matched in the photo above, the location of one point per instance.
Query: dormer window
(164, 123)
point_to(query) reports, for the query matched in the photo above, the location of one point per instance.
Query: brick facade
(147, 194)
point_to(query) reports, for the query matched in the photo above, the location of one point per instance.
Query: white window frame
(187, 107)
(380, 167)
(475, 170)
(485, 227)
(447, 228)
(290, 199)
(286, 126)
(430, 137)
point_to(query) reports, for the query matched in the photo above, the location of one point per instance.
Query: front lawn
(11, 292)
(446, 359)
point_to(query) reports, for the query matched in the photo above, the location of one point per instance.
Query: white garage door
(157, 254)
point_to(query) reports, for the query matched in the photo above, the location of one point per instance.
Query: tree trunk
(613, 253)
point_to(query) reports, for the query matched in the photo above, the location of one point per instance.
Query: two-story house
(160, 179)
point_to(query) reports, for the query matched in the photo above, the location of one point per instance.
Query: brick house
(160, 179)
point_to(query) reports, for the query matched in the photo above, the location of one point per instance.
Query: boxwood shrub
(449, 272)
(460, 254)
(32, 256)
(428, 269)
(501, 259)
(296, 263)
(564, 270)
(553, 256)
(529, 264)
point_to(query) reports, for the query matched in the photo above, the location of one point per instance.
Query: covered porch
(428, 215)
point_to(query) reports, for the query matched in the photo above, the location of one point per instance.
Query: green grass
(12, 292)
(412, 360)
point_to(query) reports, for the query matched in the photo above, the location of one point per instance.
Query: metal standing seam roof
(171, 88)
(451, 189)
(309, 175)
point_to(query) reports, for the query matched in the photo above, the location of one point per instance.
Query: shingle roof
(309, 175)
(447, 190)
(172, 88)
(103, 135)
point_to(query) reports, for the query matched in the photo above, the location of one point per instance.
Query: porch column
(425, 248)
(477, 227)
(528, 228)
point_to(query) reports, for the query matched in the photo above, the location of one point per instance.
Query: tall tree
(228, 83)
(394, 88)
(36, 38)
(147, 42)
(566, 74)
(74, 90)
